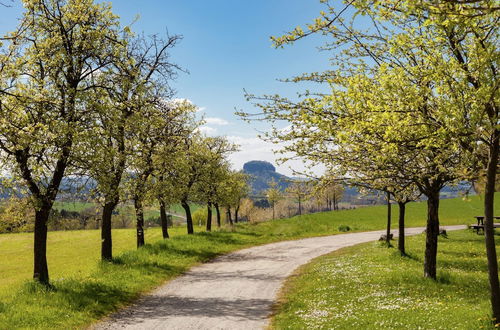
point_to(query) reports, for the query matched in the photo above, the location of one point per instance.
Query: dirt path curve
(234, 291)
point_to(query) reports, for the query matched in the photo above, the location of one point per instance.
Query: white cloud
(207, 130)
(216, 121)
(256, 149)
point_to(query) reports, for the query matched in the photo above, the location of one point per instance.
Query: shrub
(344, 228)
(200, 216)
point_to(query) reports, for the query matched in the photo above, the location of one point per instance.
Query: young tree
(273, 194)
(233, 188)
(331, 189)
(299, 190)
(56, 52)
(214, 170)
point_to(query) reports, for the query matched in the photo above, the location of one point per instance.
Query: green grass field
(152, 211)
(86, 290)
(369, 286)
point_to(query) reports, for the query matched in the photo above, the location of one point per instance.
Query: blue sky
(226, 49)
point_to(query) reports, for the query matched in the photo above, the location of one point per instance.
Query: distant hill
(261, 173)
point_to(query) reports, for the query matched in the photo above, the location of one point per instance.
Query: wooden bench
(480, 223)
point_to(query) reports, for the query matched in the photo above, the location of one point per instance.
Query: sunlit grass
(371, 287)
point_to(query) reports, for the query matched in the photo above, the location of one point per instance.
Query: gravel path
(234, 291)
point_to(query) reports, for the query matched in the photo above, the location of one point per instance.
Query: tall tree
(58, 49)
(139, 70)
(168, 157)
(159, 128)
(461, 41)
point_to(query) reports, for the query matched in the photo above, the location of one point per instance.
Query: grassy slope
(87, 290)
(371, 287)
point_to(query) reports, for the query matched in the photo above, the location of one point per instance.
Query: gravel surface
(234, 291)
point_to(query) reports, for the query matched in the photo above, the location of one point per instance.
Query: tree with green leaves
(299, 190)
(168, 157)
(199, 157)
(159, 128)
(51, 62)
(215, 174)
(273, 195)
(330, 188)
(232, 189)
(387, 93)
(137, 78)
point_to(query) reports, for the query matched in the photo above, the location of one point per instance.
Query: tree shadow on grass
(95, 298)
(142, 264)
(174, 252)
(407, 255)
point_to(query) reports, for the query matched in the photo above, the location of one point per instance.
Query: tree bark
(432, 233)
(139, 214)
(236, 210)
(106, 239)
(217, 211)
(401, 238)
(40, 268)
(163, 219)
(228, 216)
(209, 216)
(189, 219)
(489, 231)
(41, 271)
(300, 206)
(389, 216)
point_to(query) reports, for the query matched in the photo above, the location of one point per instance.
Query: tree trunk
(41, 271)
(432, 233)
(236, 210)
(139, 214)
(489, 231)
(389, 216)
(300, 206)
(189, 219)
(273, 211)
(401, 239)
(209, 216)
(217, 211)
(106, 240)
(228, 216)
(163, 218)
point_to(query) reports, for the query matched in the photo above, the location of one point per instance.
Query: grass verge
(371, 287)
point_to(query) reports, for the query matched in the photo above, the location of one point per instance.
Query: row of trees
(320, 195)
(413, 104)
(80, 95)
